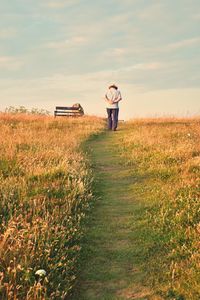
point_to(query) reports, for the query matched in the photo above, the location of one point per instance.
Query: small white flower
(189, 134)
(41, 273)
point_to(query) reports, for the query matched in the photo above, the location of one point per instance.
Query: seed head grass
(165, 155)
(45, 191)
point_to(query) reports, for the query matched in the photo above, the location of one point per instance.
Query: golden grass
(165, 154)
(45, 191)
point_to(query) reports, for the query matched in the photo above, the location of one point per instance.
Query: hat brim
(113, 86)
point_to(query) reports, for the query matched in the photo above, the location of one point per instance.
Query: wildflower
(41, 273)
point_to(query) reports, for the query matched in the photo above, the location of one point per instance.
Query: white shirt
(113, 95)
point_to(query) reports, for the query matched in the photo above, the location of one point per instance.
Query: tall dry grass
(165, 158)
(45, 192)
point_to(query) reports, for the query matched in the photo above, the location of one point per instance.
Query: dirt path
(111, 258)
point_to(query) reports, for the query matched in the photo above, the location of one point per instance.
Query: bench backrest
(68, 111)
(66, 108)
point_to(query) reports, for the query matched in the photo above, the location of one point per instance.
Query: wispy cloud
(183, 43)
(152, 12)
(10, 63)
(73, 42)
(196, 16)
(152, 66)
(149, 66)
(7, 33)
(116, 52)
(56, 4)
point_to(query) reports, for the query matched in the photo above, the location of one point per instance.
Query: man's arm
(108, 100)
(119, 98)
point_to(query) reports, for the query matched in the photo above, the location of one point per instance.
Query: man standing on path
(112, 97)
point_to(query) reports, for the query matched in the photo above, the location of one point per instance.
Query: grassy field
(142, 238)
(164, 155)
(45, 191)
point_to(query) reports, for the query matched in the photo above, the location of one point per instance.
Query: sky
(61, 52)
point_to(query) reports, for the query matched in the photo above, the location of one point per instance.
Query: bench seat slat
(66, 108)
(64, 115)
(67, 112)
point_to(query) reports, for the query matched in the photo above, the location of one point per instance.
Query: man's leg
(109, 112)
(115, 118)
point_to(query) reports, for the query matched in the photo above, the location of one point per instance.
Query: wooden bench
(68, 111)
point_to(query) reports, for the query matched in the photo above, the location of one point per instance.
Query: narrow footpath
(110, 265)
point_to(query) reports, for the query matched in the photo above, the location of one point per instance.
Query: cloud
(10, 63)
(183, 43)
(151, 12)
(73, 42)
(151, 66)
(116, 52)
(196, 16)
(7, 33)
(84, 87)
(59, 4)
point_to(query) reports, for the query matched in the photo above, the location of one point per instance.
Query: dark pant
(112, 118)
